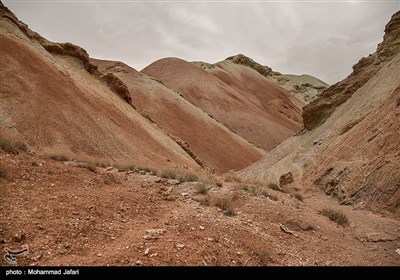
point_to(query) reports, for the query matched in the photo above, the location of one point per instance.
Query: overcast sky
(321, 39)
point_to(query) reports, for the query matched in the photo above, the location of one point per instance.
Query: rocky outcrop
(117, 86)
(185, 146)
(286, 179)
(72, 50)
(315, 113)
(52, 47)
(247, 61)
(304, 87)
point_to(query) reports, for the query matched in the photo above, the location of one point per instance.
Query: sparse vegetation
(204, 202)
(112, 178)
(35, 163)
(225, 204)
(299, 196)
(169, 174)
(23, 146)
(60, 158)
(7, 146)
(253, 190)
(232, 178)
(398, 101)
(218, 184)
(3, 172)
(268, 195)
(275, 187)
(201, 188)
(143, 168)
(188, 177)
(102, 164)
(181, 176)
(125, 168)
(91, 167)
(335, 215)
(230, 213)
(273, 197)
(262, 256)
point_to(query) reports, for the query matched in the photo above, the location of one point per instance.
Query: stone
(156, 231)
(157, 180)
(19, 237)
(285, 229)
(146, 252)
(286, 179)
(172, 182)
(180, 245)
(184, 194)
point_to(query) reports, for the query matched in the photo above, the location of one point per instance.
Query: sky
(320, 38)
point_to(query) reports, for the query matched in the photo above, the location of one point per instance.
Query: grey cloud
(321, 39)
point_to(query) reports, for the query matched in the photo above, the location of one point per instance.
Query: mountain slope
(304, 87)
(214, 145)
(259, 111)
(351, 149)
(54, 101)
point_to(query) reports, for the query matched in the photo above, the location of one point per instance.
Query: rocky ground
(73, 214)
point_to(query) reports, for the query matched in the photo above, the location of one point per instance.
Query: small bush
(201, 188)
(91, 167)
(268, 195)
(125, 168)
(3, 172)
(275, 187)
(204, 202)
(230, 213)
(145, 169)
(398, 101)
(112, 178)
(59, 158)
(169, 174)
(273, 197)
(253, 190)
(232, 178)
(7, 146)
(224, 203)
(187, 177)
(218, 184)
(262, 256)
(102, 164)
(299, 196)
(153, 171)
(336, 216)
(23, 146)
(181, 176)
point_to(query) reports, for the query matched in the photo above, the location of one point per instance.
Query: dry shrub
(335, 215)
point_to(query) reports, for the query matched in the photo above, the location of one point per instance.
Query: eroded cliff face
(69, 49)
(304, 87)
(315, 113)
(350, 148)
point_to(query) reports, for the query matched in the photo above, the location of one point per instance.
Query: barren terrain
(69, 215)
